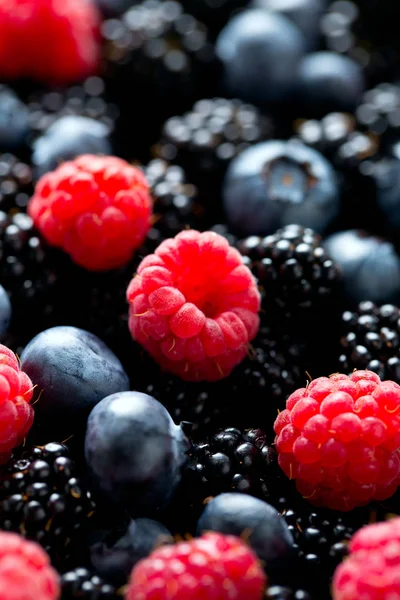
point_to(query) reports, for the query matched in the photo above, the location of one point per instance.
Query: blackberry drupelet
(295, 274)
(205, 139)
(16, 185)
(159, 60)
(44, 498)
(86, 100)
(83, 585)
(370, 340)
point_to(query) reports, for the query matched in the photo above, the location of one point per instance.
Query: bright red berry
(194, 305)
(212, 567)
(339, 439)
(371, 571)
(54, 41)
(16, 414)
(25, 570)
(97, 209)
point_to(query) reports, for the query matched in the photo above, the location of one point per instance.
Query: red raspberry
(194, 305)
(55, 41)
(95, 208)
(212, 567)
(339, 439)
(16, 414)
(372, 571)
(25, 570)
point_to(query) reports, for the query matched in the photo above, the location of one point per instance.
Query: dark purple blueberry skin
(134, 452)
(5, 311)
(277, 183)
(239, 515)
(14, 123)
(75, 370)
(115, 553)
(67, 138)
(370, 266)
(260, 52)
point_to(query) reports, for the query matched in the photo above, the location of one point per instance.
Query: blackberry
(16, 185)
(278, 592)
(43, 497)
(176, 205)
(83, 585)
(167, 59)
(370, 340)
(86, 100)
(295, 274)
(205, 139)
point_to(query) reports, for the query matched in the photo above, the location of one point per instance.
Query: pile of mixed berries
(199, 300)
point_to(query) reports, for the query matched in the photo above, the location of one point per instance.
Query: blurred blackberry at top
(158, 61)
(368, 32)
(204, 141)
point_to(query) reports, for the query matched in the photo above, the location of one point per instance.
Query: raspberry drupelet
(16, 414)
(96, 208)
(214, 566)
(70, 28)
(194, 306)
(25, 570)
(371, 571)
(339, 439)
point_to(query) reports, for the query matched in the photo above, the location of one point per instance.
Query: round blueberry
(276, 183)
(67, 138)
(370, 266)
(14, 123)
(243, 515)
(5, 311)
(260, 52)
(329, 82)
(305, 14)
(114, 553)
(74, 370)
(386, 175)
(134, 451)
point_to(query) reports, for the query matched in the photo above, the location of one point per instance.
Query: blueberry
(14, 124)
(5, 311)
(260, 523)
(67, 138)
(260, 52)
(115, 553)
(75, 370)
(134, 451)
(329, 82)
(386, 175)
(305, 14)
(276, 183)
(370, 266)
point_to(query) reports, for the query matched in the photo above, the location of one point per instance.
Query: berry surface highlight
(194, 305)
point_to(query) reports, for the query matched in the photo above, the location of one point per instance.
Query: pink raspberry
(194, 305)
(16, 414)
(25, 570)
(339, 439)
(54, 41)
(95, 208)
(371, 572)
(213, 567)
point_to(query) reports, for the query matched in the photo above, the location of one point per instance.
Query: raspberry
(70, 28)
(339, 439)
(16, 414)
(194, 305)
(214, 566)
(371, 572)
(95, 208)
(25, 571)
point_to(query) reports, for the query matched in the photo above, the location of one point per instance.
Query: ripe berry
(25, 571)
(38, 44)
(371, 571)
(14, 125)
(80, 584)
(339, 438)
(16, 414)
(194, 305)
(97, 209)
(214, 566)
